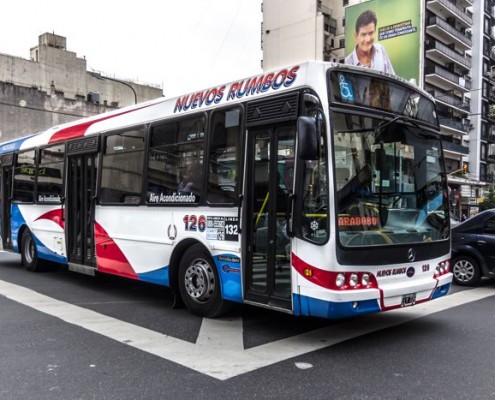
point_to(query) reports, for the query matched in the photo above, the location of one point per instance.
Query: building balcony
(442, 54)
(450, 100)
(454, 147)
(446, 80)
(448, 9)
(490, 178)
(488, 137)
(490, 75)
(443, 31)
(454, 125)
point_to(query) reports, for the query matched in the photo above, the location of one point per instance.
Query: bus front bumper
(350, 303)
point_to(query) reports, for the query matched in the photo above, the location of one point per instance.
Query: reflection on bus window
(24, 177)
(224, 145)
(175, 162)
(50, 174)
(123, 159)
(389, 184)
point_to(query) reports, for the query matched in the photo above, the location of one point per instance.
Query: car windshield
(390, 188)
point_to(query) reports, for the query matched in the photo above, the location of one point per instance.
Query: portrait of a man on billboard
(367, 53)
(384, 35)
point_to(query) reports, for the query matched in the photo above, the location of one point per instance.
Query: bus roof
(276, 81)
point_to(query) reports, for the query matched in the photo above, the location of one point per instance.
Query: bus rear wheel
(29, 253)
(199, 283)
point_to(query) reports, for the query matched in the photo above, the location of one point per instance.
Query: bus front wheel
(29, 253)
(199, 283)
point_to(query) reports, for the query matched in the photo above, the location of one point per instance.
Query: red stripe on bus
(319, 277)
(54, 216)
(109, 258)
(75, 131)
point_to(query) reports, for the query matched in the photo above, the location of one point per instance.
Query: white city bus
(317, 189)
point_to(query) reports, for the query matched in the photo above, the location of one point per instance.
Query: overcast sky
(182, 45)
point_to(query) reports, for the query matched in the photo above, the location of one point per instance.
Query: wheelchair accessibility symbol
(346, 90)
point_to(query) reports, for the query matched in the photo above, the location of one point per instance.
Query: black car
(473, 249)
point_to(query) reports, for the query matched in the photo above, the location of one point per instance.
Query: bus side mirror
(307, 138)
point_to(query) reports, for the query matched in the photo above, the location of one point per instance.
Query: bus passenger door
(80, 210)
(6, 200)
(269, 184)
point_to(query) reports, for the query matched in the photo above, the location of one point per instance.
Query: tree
(489, 199)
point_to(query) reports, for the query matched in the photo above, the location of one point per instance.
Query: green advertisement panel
(392, 43)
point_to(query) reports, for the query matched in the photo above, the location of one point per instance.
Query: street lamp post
(100, 76)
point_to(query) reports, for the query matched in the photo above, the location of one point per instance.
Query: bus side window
(24, 177)
(122, 167)
(175, 162)
(223, 152)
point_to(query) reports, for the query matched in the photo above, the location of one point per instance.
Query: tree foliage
(489, 199)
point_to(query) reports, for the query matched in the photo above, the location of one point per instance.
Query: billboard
(385, 35)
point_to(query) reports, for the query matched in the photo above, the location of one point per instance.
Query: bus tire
(29, 253)
(199, 284)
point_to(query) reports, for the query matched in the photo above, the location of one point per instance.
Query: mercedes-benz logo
(411, 255)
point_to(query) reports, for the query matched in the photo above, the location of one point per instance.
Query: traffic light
(464, 168)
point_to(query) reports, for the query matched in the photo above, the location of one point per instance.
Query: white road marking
(303, 365)
(219, 350)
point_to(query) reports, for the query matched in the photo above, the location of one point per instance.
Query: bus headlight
(340, 280)
(441, 268)
(365, 280)
(353, 280)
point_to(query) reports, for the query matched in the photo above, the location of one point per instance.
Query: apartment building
(456, 43)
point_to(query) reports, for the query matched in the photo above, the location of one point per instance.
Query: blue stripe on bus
(17, 222)
(309, 306)
(158, 276)
(441, 291)
(46, 254)
(229, 272)
(12, 146)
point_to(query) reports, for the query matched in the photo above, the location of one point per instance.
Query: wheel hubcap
(464, 271)
(199, 281)
(29, 250)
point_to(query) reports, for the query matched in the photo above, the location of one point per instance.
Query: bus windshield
(389, 182)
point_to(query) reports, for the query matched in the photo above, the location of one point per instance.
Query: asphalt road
(69, 336)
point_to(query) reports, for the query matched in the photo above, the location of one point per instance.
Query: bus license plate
(408, 300)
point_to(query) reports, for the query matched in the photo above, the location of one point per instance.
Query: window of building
(175, 162)
(485, 89)
(24, 177)
(223, 156)
(485, 109)
(484, 131)
(122, 167)
(345, 3)
(50, 174)
(483, 175)
(342, 43)
(343, 22)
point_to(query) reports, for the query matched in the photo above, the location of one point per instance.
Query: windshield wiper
(382, 125)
